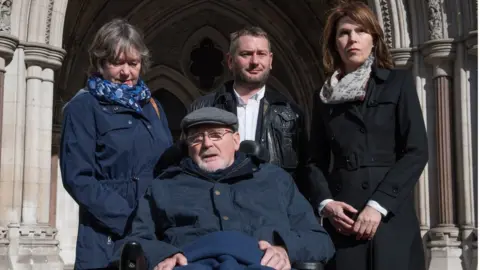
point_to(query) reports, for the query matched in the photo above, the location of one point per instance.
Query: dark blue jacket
(261, 201)
(107, 157)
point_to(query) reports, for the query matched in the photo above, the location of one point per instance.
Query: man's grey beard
(242, 79)
(205, 168)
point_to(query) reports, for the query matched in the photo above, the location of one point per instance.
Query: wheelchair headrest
(254, 150)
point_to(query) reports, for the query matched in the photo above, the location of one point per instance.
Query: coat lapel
(376, 85)
(355, 113)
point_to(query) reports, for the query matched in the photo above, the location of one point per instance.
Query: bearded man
(264, 115)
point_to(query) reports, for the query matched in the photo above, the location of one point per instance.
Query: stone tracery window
(206, 63)
(203, 59)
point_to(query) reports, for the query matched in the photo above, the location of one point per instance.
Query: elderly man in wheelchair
(220, 208)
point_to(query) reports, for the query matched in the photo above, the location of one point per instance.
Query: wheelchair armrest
(133, 257)
(308, 265)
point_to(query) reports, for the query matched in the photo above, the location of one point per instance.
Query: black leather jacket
(280, 128)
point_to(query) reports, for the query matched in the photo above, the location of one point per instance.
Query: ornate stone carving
(441, 237)
(43, 55)
(5, 12)
(402, 57)
(38, 248)
(387, 23)
(438, 50)
(49, 21)
(472, 42)
(435, 19)
(37, 232)
(8, 44)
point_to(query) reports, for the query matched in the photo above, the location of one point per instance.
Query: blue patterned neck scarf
(122, 94)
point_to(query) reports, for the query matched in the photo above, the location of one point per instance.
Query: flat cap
(209, 115)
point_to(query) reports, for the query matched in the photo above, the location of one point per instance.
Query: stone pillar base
(447, 258)
(37, 249)
(5, 263)
(445, 248)
(474, 254)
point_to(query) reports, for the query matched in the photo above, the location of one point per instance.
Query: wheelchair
(132, 255)
(133, 258)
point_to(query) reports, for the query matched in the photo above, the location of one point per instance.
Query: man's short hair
(253, 31)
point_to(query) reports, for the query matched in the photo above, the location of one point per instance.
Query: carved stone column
(66, 217)
(407, 58)
(443, 239)
(8, 44)
(37, 247)
(465, 156)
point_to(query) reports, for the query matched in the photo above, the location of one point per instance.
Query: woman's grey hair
(111, 40)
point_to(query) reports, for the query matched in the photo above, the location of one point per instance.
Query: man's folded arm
(307, 240)
(144, 231)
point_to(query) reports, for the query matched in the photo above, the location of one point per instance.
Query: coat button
(149, 126)
(217, 192)
(365, 185)
(333, 137)
(338, 187)
(129, 122)
(103, 108)
(115, 108)
(225, 218)
(395, 190)
(362, 130)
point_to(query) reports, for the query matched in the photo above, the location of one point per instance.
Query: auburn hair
(361, 14)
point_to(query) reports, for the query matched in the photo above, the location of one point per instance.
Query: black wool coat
(373, 150)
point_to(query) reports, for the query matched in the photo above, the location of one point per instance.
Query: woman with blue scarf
(113, 134)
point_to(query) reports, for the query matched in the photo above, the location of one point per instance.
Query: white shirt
(375, 205)
(247, 114)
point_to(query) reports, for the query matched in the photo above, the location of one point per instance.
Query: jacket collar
(380, 73)
(272, 96)
(242, 168)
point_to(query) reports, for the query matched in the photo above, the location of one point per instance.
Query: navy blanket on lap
(224, 250)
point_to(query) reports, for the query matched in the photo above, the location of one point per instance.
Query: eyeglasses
(214, 135)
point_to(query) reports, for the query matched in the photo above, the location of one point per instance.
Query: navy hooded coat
(108, 154)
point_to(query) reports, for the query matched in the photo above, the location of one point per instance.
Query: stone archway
(433, 38)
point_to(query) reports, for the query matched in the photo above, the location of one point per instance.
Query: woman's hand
(336, 211)
(367, 223)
